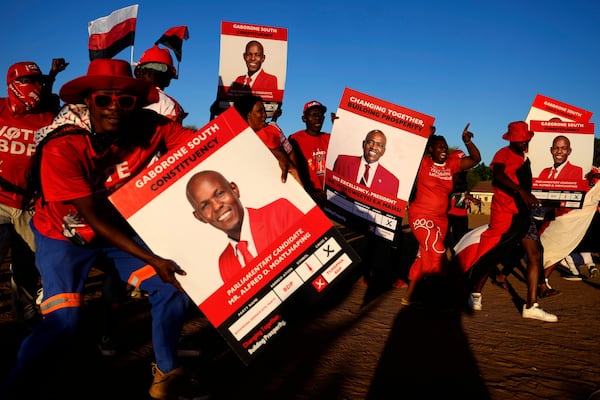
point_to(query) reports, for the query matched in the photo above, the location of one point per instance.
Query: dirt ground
(359, 343)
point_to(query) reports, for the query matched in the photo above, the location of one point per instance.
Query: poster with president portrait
(561, 152)
(254, 248)
(372, 161)
(253, 59)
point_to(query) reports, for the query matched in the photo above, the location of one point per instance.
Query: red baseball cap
(314, 103)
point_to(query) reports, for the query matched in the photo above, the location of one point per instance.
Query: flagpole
(131, 62)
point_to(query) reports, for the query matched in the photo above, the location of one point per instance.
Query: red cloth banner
(111, 34)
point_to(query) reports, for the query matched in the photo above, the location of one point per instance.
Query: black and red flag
(113, 33)
(173, 39)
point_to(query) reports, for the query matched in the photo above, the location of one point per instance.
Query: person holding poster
(561, 169)
(216, 201)
(100, 140)
(366, 169)
(255, 80)
(511, 223)
(427, 213)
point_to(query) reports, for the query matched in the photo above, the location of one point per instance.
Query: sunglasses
(124, 101)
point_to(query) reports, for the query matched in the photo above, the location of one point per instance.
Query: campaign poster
(561, 152)
(253, 59)
(392, 139)
(189, 203)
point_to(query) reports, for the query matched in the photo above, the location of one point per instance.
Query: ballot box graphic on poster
(253, 59)
(561, 152)
(392, 138)
(295, 256)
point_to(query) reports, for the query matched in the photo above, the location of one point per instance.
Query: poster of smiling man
(253, 60)
(561, 152)
(372, 161)
(254, 248)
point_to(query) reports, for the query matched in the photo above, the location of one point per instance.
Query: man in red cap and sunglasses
(29, 106)
(102, 138)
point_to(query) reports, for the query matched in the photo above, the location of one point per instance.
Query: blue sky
(474, 61)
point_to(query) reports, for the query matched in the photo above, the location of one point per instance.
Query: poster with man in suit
(253, 59)
(561, 152)
(254, 248)
(372, 161)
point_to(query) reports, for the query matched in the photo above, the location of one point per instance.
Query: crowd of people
(58, 223)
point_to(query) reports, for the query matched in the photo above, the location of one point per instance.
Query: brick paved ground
(359, 341)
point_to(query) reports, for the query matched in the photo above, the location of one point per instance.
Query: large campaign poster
(188, 204)
(253, 59)
(373, 198)
(561, 151)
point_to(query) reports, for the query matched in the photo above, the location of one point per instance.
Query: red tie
(552, 173)
(248, 80)
(365, 178)
(242, 247)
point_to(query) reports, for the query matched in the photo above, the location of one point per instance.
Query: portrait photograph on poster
(372, 161)
(253, 248)
(561, 151)
(253, 59)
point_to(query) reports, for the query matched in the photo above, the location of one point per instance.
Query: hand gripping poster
(253, 247)
(253, 60)
(561, 152)
(372, 161)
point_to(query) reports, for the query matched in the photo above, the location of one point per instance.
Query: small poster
(253, 247)
(253, 59)
(372, 161)
(561, 152)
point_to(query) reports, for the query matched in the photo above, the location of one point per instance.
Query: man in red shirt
(100, 140)
(311, 145)
(256, 80)
(29, 106)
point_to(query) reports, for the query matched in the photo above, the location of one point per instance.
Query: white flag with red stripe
(111, 34)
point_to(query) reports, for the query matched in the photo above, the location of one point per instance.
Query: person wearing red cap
(310, 146)
(511, 223)
(100, 140)
(156, 66)
(29, 106)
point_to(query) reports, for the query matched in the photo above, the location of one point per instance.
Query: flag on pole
(173, 38)
(113, 33)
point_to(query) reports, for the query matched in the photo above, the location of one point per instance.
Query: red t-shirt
(16, 147)
(72, 169)
(314, 149)
(271, 136)
(501, 200)
(434, 185)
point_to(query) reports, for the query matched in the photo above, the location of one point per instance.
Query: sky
(459, 61)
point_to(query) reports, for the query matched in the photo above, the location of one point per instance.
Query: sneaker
(535, 312)
(175, 385)
(137, 293)
(186, 347)
(475, 301)
(107, 346)
(24, 306)
(572, 277)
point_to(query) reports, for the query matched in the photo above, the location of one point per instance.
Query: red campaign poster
(561, 151)
(395, 137)
(189, 204)
(253, 59)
